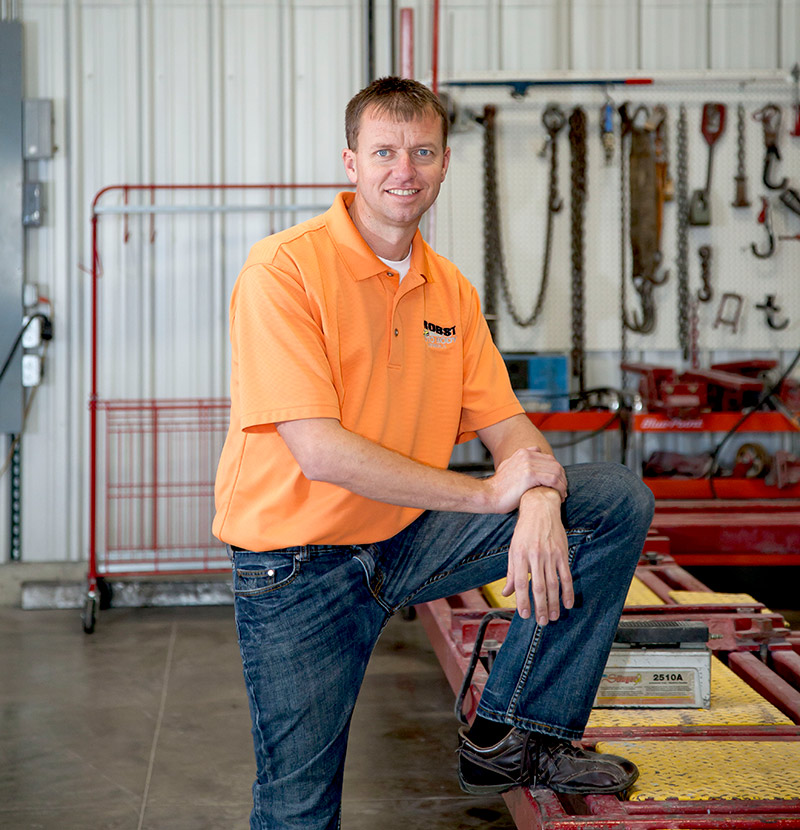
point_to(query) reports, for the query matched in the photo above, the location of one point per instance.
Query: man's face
(397, 168)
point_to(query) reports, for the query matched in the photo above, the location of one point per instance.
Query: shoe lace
(533, 755)
(530, 759)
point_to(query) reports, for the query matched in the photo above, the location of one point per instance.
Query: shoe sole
(496, 789)
(483, 789)
(583, 791)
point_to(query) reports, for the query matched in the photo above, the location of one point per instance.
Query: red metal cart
(153, 461)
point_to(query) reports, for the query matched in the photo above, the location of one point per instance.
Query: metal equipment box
(657, 664)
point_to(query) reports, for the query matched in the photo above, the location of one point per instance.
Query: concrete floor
(144, 724)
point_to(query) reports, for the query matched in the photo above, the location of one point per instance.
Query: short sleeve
(281, 366)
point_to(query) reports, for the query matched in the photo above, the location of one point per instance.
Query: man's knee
(614, 493)
(637, 494)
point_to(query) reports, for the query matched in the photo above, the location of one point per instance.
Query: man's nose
(404, 168)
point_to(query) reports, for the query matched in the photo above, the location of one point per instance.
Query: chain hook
(554, 120)
(765, 219)
(646, 323)
(705, 294)
(771, 310)
(770, 117)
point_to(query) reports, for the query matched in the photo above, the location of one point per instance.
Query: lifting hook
(765, 219)
(770, 117)
(770, 309)
(553, 119)
(646, 323)
(705, 293)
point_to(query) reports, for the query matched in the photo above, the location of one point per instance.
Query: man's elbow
(308, 447)
(314, 468)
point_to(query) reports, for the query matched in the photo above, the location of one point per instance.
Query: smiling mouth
(405, 192)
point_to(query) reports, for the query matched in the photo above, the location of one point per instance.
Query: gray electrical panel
(11, 230)
(37, 125)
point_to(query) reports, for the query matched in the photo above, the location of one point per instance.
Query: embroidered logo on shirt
(438, 337)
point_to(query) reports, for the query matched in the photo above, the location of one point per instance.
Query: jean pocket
(265, 575)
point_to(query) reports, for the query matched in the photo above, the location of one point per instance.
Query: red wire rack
(159, 462)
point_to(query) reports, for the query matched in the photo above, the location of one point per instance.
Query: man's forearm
(506, 437)
(328, 452)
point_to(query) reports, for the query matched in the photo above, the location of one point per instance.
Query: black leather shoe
(534, 760)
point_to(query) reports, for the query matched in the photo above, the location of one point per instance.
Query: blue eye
(383, 153)
(424, 152)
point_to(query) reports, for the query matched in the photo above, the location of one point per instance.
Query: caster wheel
(89, 615)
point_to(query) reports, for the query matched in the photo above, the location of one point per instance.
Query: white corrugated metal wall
(253, 91)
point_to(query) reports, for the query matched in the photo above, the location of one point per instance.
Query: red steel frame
(546, 812)
(727, 521)
(451, 625)
(153, 407)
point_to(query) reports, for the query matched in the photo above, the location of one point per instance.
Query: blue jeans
(308, 618)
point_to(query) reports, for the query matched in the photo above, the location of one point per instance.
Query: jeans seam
(253, 698)
(437, 577)
(373, 591)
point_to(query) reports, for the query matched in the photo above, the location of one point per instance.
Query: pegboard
(523, 187)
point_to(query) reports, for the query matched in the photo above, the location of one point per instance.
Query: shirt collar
(357, 256)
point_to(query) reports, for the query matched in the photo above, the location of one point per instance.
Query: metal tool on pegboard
(712, 127)
(765, 219)
(706, 293)
(730, 311)
(642, 218)
(770, 117)
(796, 105)
(740, 180)
(771, 311)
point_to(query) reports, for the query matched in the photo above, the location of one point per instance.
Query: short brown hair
(400, 98)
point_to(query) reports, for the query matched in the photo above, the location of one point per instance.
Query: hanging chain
(683, 236)
(740, 179)
(740, 171)
(694, 333)
(494, 263)
(492, 244)
(706, 293)
(577, 143)
(623, 228)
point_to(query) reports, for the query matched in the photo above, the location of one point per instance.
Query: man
(360, 357)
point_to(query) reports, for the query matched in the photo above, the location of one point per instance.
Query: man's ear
(349, 159)
(445, 162)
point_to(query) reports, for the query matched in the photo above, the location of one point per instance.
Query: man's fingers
(517, 584)
(549, 589)
(567, 590)
(553, 591)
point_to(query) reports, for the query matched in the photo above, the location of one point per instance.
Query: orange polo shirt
(320, 328)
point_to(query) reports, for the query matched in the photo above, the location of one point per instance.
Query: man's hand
(539, 548)
(522, 470)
